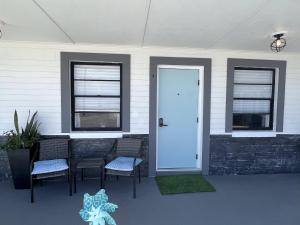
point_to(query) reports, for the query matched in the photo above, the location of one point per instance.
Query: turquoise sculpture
(96, 209)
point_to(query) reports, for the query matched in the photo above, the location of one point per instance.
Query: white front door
(178, 118)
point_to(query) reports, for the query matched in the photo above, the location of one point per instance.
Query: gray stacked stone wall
(83, 148)
(4, 164)
(228, 155)
(265, 155)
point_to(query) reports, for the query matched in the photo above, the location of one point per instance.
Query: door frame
(199, 114)
(159, 60)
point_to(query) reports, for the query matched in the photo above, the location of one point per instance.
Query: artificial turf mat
(177, 184)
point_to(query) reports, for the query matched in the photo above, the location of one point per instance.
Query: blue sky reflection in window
(96, 209)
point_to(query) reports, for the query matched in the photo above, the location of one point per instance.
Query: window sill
(96, 134)
(254, 134)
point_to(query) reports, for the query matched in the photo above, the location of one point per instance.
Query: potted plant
(19, 145)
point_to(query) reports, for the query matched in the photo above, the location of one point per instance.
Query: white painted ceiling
(230, 24)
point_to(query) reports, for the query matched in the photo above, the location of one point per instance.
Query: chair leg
(104, 176)
(75, 182)
(101, 177)
(70, 182)
(139, 168)
(82, 174)
(134, 183)
(31, 190)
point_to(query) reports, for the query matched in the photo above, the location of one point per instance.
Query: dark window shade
(96, 96)
(253, 99)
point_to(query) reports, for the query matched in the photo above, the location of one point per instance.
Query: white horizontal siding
(30, 80)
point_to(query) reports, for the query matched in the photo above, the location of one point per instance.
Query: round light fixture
(279, 43)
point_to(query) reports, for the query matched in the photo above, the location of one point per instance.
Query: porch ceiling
(233, 24)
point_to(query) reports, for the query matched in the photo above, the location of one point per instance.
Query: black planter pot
(19, 161)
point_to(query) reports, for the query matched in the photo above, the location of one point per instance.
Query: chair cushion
(49, 166)
(123, 164)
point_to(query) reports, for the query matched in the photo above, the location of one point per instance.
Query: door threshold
(161, 172)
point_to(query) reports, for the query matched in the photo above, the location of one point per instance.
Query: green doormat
(183, 184)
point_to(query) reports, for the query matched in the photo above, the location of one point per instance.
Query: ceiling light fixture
(279, 43)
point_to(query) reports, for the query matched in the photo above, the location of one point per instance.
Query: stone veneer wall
(4, 166)
(83, 148)
(233, 155)
(228, 155)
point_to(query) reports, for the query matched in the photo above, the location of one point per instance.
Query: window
(250, 100)
(109, 110)
(96, 96)
(253, 98)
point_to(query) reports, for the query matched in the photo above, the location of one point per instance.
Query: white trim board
(254, 134)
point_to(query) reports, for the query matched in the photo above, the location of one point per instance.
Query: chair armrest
(111, 154)
(133, 164)
(142, 153)
(34, 156)
(70, 156)
(109, 157)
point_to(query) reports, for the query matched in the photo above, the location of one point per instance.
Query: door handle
(161, 123)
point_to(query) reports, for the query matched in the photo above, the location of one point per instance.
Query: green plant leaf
(16, 121)
(28, 136)
(27, 120)
(31, 121)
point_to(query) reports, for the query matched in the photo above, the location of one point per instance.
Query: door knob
(161, 123)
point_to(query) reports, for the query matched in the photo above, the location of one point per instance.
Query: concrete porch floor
(239, 200)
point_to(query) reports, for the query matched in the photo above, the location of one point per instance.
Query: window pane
(97, 120)
(97, 72)
(251, 121)
(253, 76)
(97, 104)
(252, 91)
(97, 96)
(251, 106)
(250, 109)
(97, 88)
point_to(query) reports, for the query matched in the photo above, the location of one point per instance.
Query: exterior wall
(5, 172)
(4, 166)
(229, 155)
(30, 80)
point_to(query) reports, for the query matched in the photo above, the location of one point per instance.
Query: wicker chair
(52, 158)
(125, 159)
